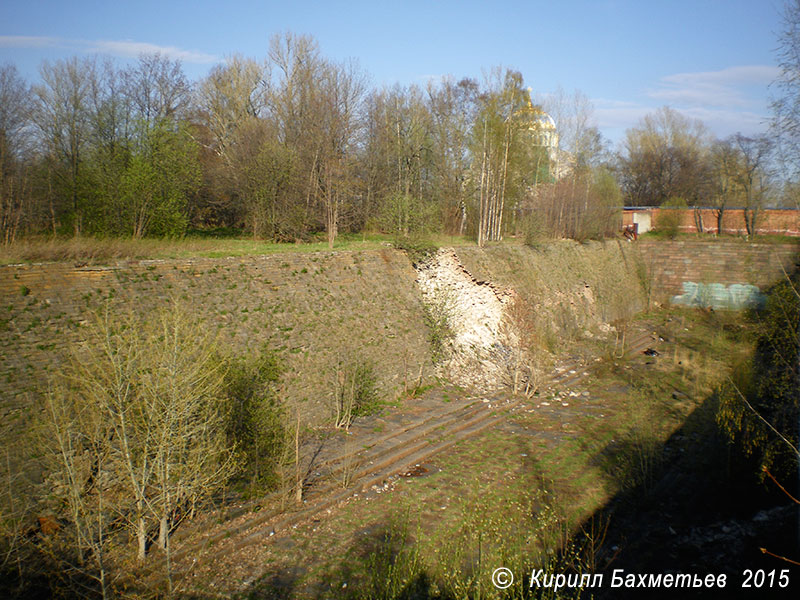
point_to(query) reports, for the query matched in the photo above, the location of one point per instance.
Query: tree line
(296, 145)
(283, 148)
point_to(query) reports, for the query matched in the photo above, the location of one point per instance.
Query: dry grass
(573, 289)
(99, 251)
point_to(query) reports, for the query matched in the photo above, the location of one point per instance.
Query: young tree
(138, 422)
(502, 149)
(725, 168)
(752, 176)
(453, 109)
(112, 130)
(578, 137)
(163, 171)
(232, 96)
(398, 155)
(341, 94)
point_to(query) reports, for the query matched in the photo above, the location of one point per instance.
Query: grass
(518, 496)
(100, 251)
(108, 250)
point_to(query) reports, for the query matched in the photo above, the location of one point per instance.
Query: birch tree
(147, 394)
(14, 102)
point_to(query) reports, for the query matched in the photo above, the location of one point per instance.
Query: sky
(709, 59)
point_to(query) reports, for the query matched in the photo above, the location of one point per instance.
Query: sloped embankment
(572, 290)
(313, 309)
(317, 309)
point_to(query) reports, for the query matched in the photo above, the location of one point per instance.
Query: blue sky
(710, 59)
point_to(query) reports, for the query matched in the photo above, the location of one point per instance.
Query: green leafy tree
(162, 173)
(504, 153)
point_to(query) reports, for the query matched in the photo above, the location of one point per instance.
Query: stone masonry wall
(314, 309)
(723, 274)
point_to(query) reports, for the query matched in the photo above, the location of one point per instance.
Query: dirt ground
(627, 456)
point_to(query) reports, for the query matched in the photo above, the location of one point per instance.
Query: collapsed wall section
(511, 306)
(571, 290)
(474, 312)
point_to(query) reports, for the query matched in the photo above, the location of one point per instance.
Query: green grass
(109, 250)
(221, 243)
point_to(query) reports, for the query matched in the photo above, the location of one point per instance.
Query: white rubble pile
(483, 341)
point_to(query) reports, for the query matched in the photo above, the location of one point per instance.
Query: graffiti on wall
(736, 296)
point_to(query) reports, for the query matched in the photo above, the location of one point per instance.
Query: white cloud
(724, 122)
(614, 117)
(725, 88)
(27, 41)
(618, 113)
(133, 49)
(727, 101)
(123, 48)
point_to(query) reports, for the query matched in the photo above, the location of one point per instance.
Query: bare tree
(452, 107)
(14, 104)
(61, 114)
(230, 97)
(726, 187)
(665, 157)
(157, 88)
(78, 445)
(786, 106)
(140, 420)
(753, 176)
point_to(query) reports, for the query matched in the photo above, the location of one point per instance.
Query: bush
(255, 417)
(438, 317)
(533, 229)
(355, 390)
(418, 249)
(668, 221)
(758, 406)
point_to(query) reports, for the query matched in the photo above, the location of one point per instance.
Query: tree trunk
(141, 533)
(163, 531)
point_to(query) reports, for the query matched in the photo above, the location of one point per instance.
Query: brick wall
(769, 221)
(673, 264)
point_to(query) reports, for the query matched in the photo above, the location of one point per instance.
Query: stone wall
(314, 309)
(721, 274)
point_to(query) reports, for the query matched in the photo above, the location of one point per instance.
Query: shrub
(438, 317)
(255, 417)
(355, 390)
(668, 221)
(759, 405)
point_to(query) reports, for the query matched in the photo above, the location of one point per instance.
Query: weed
(418, 249)
(438, 317)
